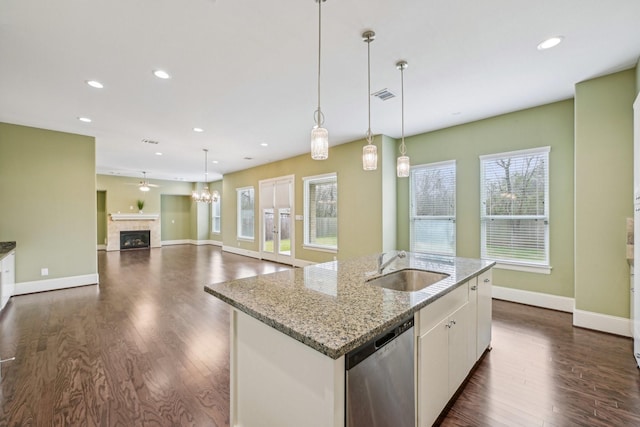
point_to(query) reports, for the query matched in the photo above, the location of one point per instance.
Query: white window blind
(515, 207)
(433, 208)
(245, 212)
(321, 211)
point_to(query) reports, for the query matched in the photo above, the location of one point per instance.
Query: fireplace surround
(132, 222)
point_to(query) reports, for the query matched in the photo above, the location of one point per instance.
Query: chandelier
(205, 196)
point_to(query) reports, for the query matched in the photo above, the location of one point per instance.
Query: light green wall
(123, 193)
(547, 125)
(101, 203)
(175, 217)
(48, 198)
(387, 159)
(603, 192)
(200, 214)
(359, 201)
(638, 77)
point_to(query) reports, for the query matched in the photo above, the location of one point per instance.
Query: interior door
(276, 220)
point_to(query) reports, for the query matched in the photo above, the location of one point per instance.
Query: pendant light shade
(319, 143)
(319, 135)
(205, 195)
(403, 165)
(369, 151)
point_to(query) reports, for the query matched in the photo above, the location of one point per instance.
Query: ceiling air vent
(384, 94)
(248, 158)
(150, 141)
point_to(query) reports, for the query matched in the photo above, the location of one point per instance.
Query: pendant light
(205, 196)
(144, 184)
(369, 151)
(319, 135)
(403, 165)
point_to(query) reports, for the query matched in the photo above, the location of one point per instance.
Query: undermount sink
(408, 280)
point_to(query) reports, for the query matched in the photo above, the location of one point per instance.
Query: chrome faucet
(382, 266)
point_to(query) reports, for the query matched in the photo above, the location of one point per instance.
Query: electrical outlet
(44, 271)
(131, 207)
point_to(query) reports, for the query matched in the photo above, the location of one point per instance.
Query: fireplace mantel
(134, 217)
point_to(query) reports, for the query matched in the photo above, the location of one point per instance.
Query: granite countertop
(330, 308)
(6, 248)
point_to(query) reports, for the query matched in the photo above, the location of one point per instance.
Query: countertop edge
(335, 353)
(6, 248)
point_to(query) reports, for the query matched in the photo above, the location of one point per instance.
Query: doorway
(276, 220)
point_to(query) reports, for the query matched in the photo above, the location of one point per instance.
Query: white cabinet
(443, 348)
(452, 334)
(7, 278)
(483, 315)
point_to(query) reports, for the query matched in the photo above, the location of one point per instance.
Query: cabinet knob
(474, 287)
(486, 280)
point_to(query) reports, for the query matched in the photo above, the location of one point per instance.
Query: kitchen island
(291, 330)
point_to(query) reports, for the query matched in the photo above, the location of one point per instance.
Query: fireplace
(136, 239)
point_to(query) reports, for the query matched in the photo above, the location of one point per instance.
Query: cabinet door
(459, 361)
(473, 318)
(484, 312)
(8, 278)
(433, 373)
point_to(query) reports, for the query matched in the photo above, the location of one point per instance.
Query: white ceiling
(245, 70)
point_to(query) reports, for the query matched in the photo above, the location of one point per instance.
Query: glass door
(276, 221)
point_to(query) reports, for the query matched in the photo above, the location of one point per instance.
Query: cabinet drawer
(442, 307)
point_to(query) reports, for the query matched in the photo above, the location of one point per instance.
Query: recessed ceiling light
(550, 42)
(214, 162)
(264, 144)
(198, 130)
(84, 119)
(158, 154)
(95, 83)
(161, 74)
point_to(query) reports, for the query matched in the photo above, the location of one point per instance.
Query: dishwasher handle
(385, 339)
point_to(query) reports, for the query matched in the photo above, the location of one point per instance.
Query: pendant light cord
(403, 148)
(205, 166)
(369, 86)
(318, 116)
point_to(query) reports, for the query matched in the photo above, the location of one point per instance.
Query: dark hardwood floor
(149, 347)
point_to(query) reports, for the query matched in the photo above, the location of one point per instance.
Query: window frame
(511, 263)
(413, 217)
(307, 244)
(216, 204)
(239, 213)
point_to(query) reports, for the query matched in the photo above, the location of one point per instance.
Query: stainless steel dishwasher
(380, 380)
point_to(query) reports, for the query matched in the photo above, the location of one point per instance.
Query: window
(433, 208)
(215, 215)
(245, 213)
(321, 212)
(515, 207)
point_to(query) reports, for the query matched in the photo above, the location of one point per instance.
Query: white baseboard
(175, 242)
(303, 263)
(55, 284)
(601, 322)
(102, 247)
(206, 242)
(239, 251)
(536, 299)
(191, 242)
